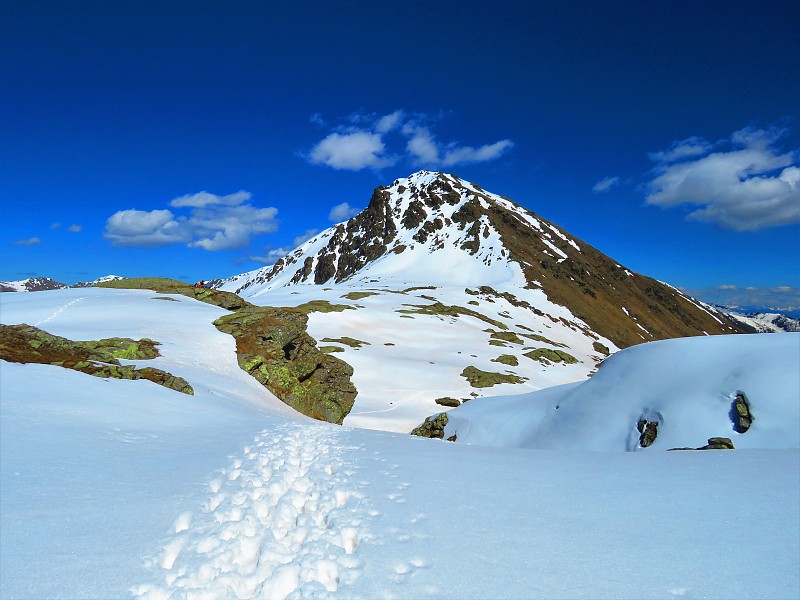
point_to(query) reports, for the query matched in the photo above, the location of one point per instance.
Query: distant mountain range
(40, 284)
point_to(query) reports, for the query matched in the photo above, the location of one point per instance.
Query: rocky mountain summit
(435, 228)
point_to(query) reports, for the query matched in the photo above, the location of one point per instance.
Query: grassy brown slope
(594, 289)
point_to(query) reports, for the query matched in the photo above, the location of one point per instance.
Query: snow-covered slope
(688, 386)
(450, 292)
(113, 489)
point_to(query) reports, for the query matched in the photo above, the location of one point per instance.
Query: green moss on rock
(507, 359)
(433, 427)
(444, 310)
(359, 295)
(545, 355)
(481, 379)
(348, 341)
(28, 344)
(273, 346)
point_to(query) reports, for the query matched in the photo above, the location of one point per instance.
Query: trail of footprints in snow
(280, 521)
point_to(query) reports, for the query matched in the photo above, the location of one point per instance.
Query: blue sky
(198, 139)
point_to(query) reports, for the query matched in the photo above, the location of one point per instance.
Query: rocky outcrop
(273, 346)
(740, 413)
(100, 358)
(648, 431)
(480, 379)
(714, 443)
(433, 427)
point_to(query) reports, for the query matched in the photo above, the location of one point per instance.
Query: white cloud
(693, 146)
(202, 199)
(362, 143)
(144, 229)
(32, 241)
(55, 226)
(421, 145)
(351, 151)
(389, 122)
(225, 228)
(342, 212)
(317, 119)
(214, 223)
(75, 228)
(728, 287)
(750, 187)
(605, 184)
(467, 154)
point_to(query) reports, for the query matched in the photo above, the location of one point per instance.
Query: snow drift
(688, 386)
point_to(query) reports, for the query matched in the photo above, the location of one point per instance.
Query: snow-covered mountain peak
(427, 228)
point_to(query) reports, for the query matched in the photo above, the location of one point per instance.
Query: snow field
(284, 519)
(427, 353)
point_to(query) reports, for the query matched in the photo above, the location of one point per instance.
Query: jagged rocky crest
(418, 224)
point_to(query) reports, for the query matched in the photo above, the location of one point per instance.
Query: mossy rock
(272, 344)
(740, 413)
(540, 338)
(359, 295)
(481, 379)
(433, 427)
(322, 306)
(602, 349)
(507, 359)
(330, 349)
(506, 336)
(100, 358)
(348, 341)
(447, 401)
(546, 355)
(499, 344)
(442, 310)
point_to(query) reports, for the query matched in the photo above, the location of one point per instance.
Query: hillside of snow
(409, 346)
(688, 386)
(115, 489)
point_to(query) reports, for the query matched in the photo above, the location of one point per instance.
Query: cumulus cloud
(213, 223)
(351, 151)
(364, 142)
(75, 228)
(421, 145)
(141, 228)
(693, 146)
(342, 212)
(272, 256)
(749, 187)
(225, 228)
(457, 155)
(201, 199)
(605, 184)
(55, 226)
(31, 241)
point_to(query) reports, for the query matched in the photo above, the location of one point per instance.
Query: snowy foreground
(115, 489)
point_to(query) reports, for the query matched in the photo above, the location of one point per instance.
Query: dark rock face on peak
(426, 213)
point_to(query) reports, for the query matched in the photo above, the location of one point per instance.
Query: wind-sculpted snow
(283, 519)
